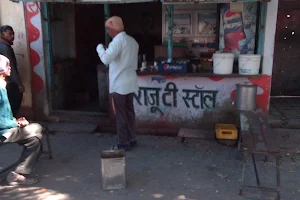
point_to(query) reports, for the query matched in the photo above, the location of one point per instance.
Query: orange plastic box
(226, 132)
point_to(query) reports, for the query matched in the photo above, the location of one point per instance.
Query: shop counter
(197, 75)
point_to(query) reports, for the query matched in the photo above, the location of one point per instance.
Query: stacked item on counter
(176, 66)
(248, 64)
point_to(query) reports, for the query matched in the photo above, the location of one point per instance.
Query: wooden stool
(46, 133)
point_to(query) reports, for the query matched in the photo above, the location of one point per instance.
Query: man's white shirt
(122, 58)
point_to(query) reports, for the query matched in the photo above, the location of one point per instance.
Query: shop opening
(76, 30)
(198, 32)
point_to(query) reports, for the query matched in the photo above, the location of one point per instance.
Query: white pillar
(269, 40)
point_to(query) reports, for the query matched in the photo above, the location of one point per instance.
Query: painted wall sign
(188, 99)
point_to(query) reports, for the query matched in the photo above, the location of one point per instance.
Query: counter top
(197, 75)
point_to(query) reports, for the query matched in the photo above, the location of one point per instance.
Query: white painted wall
(13, 14)
(269, 40)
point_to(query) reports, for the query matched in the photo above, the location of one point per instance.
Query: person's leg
(29, 137)
(14, 97)
(119, 107)
(131, 119)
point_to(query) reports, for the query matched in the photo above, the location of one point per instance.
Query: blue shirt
(7, 120)
(122, 58)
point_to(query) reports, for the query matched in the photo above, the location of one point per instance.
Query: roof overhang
(208, 1)
(87, 1)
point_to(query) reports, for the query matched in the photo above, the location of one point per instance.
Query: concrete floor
(160, 168)
(285, 112)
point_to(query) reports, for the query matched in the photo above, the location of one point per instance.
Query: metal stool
(257, 139)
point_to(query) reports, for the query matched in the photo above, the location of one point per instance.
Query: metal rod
(278, 176)
(243, 173)
(170, 32)
(260, 188)
(255, 170)
(106, 16)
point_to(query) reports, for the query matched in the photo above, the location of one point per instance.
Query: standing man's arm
(108, 55)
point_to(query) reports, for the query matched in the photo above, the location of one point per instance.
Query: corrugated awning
(87, 1)
(207, 1)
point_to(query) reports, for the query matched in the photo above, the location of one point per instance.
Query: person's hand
(22, 122)
(99, 47)
(21, 88)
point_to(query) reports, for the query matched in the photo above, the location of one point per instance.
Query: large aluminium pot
(246, 96)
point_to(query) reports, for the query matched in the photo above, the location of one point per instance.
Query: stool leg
(48, 143)
(266, 159)
(182, 140)
(278, 176)
(243, 173)
(6, 169)
(255, 170)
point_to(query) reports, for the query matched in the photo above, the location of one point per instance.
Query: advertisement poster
(238, 29)
(182, 24)
(207, 23)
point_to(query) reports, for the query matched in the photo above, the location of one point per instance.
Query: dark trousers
(125, 117)
(30, 138)
(14, 97)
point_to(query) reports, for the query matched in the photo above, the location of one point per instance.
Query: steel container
(246, 96)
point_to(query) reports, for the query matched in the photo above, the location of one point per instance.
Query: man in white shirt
(122, 58)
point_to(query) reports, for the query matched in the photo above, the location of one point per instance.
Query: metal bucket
(246, 96)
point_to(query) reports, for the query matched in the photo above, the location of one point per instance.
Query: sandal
(15, 179)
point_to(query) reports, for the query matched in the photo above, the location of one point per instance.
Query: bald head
(114, 26)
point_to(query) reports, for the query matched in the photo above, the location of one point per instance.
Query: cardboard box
(172, 67)
(162, 51)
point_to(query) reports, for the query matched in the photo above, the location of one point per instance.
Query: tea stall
(207, 48)
(189, 80)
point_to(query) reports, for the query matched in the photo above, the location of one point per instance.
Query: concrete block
(113, 169)
(196, 133)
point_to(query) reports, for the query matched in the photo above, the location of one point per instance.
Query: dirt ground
(159, 168)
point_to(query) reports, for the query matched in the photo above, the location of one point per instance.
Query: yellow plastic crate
(226, 132)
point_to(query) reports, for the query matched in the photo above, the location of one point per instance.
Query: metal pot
(246, 96)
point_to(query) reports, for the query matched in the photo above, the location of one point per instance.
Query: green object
(49, 57)
(170, 31)
(262, 24)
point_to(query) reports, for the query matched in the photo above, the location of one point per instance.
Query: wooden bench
(257, 139)
(49, 151)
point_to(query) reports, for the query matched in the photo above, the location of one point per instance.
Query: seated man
(18, 131)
